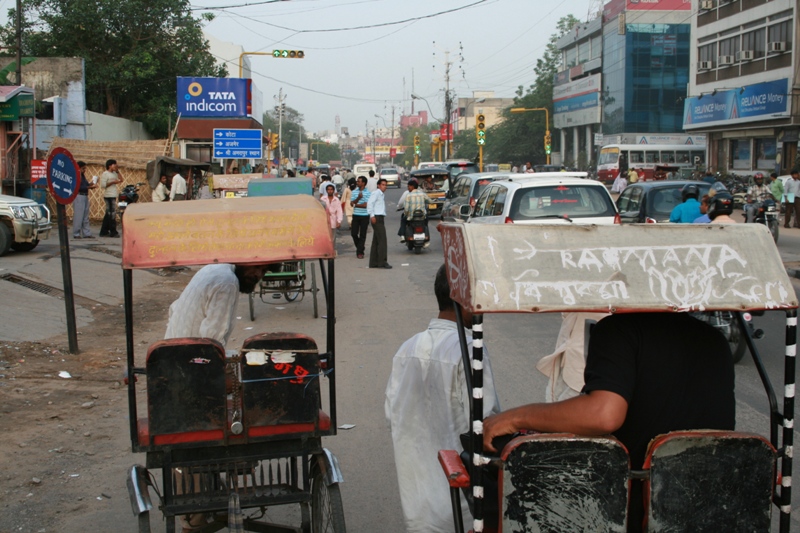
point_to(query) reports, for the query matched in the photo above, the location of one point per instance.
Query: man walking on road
(791, 191)
(376, 207)
(80, 207)
(108, 182)
(427, 406)
(177, 190)
(360, 223)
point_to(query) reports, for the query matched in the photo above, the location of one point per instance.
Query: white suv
(562, 197)
(23, 223)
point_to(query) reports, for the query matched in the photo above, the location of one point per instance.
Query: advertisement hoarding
(761, 101)
(214, 97)
(577, 103)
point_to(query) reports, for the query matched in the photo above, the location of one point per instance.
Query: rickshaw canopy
(631, 268)
(229, 230)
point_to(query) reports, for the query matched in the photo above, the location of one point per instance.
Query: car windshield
(559, 201)
(389, 171)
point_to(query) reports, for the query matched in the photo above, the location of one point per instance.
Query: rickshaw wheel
(737, 342)
(314, 289)
(252, 298)
(291, 291)
(327, 512)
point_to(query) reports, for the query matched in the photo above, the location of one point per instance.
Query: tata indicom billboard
(577, 103)
(214, 97)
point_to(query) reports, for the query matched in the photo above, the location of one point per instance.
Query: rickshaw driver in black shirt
(646, 374)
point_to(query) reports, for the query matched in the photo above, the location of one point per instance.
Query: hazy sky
(359, 71)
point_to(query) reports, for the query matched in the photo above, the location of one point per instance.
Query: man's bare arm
(597, 413)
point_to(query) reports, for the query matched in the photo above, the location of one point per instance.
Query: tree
(520, 137)
(133, 51)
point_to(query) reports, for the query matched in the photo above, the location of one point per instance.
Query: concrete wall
(107, 128)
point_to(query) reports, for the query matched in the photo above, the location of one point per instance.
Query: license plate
(419, 237)
(123, 204)
(431, 206)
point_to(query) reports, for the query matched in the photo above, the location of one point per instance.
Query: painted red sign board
(63, 176)
(392, 152)
(38, 171)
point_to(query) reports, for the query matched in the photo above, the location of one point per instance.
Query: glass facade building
(645, 75)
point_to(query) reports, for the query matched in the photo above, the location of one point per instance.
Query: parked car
(23, 223)
(653, 201)
(465, 190)
(545, 200)
(391, 176)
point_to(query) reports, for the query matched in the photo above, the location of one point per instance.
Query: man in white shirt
(376, 209)
(177, 190)
(207, 305)
(427, 406)
(372, 182)
(160, 193)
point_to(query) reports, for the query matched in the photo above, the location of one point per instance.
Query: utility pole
(447, 103)
(281, 99)
(392, 145)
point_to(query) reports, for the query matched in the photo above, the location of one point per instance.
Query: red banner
(38, 172)
(392, 152)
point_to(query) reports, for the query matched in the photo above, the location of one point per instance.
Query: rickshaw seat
(280, 391)
(186, 398)
(563, 482)
(708, 480)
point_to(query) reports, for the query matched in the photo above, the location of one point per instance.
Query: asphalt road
(377, 310)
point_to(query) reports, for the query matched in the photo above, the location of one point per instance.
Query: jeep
(23, 223)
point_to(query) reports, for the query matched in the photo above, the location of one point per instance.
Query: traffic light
(273, 143)
(290, 54)
(548, 143)
(416, 144)
(480, 129)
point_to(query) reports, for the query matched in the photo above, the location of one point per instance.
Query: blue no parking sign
(63, 176)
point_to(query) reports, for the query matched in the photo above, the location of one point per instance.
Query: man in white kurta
(207, 305)
(427, 407)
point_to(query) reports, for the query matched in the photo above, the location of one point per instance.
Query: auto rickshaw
(233, 432)
(699, 480)
(433, 182)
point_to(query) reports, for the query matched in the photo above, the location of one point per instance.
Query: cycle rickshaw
(287, 279)
(699, 480)
(235, 432)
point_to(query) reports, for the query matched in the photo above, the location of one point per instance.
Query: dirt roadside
(63, 418)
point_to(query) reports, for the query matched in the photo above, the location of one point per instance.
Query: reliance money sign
(761, 101)
(577, 103)
(213, 97)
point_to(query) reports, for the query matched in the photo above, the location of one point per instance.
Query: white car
(559, 197)
(391, 176)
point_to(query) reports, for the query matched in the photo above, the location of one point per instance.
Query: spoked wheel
(737, 341)
(314, 289)
(327, 512)
(292, 288)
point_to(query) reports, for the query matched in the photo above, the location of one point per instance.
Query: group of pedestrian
(172, 188)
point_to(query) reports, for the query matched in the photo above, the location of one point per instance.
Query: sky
(362, 57)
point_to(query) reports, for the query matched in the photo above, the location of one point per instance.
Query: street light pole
(547, 138)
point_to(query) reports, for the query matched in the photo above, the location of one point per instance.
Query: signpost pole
(66, 274)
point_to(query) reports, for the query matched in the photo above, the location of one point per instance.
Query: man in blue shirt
(360, 222)
(376, 207)
(689, 210)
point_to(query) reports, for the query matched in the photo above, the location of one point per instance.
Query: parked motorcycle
(726, 322)
(128, 195)
(768, 213)
(415, 231)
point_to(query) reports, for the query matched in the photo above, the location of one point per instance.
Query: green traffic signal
(481, 141)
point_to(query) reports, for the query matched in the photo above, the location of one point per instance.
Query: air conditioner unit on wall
(705, 65)
(746, 55)
(778, 46)
(706, 4)
(725, 60)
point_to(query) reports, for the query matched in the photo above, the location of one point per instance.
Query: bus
(647, 156)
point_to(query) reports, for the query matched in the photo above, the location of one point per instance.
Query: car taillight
(509, 221)
(617, 219)
(649, 220)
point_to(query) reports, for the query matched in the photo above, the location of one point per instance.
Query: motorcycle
(415, 231)
(726, 323)
(768, 213)
(128, 195)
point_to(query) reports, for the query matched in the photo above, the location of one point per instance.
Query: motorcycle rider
(689, 210)
(412, 200)
(720, 208)
(755, 194)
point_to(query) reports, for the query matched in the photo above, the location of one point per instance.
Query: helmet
(690, 191)
(720, 204)
(758, 176)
